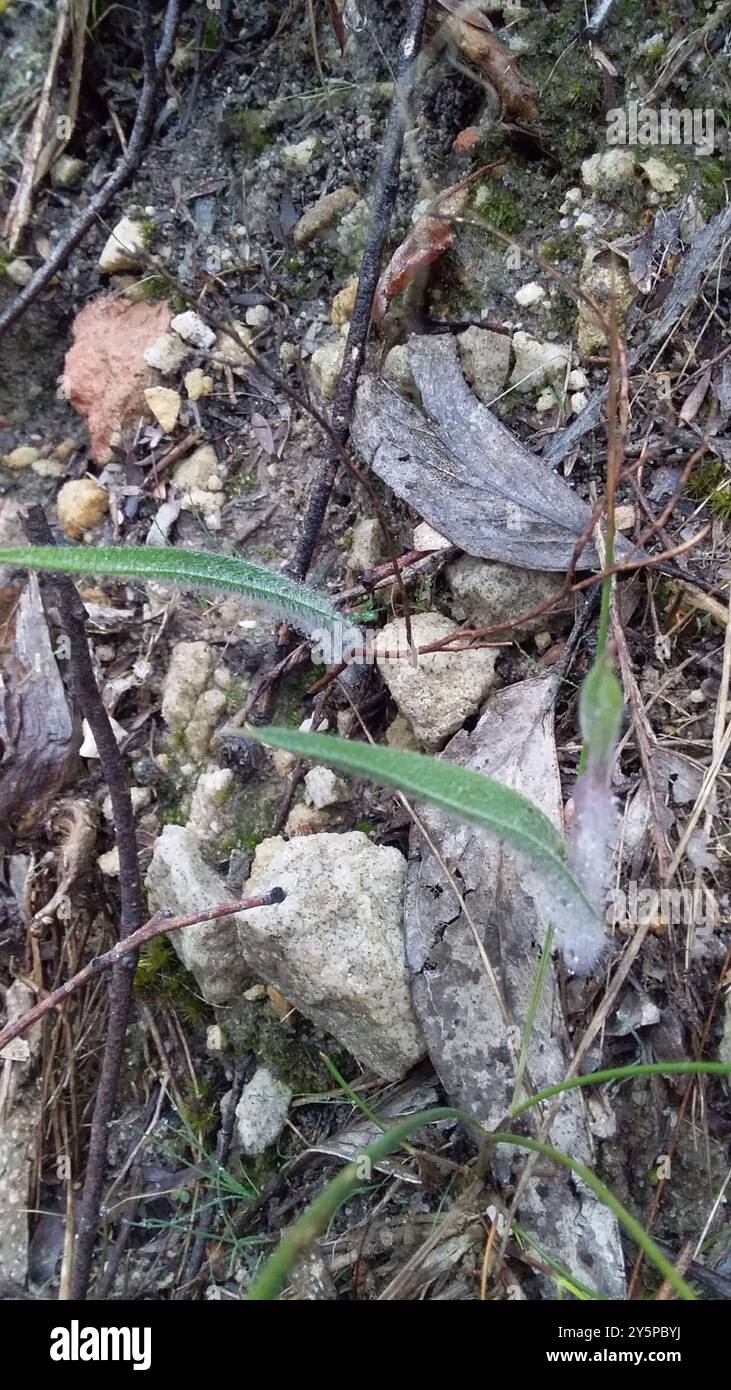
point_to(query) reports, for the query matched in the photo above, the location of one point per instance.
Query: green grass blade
(468, 795)
(284, 598)
(530, 1020)
(316, 1219)
(597, 1078)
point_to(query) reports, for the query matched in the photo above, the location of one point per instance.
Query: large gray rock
(492, 592)
(444, 688)
(334, 947)
(180, 881)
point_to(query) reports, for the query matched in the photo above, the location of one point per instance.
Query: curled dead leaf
(429, 238)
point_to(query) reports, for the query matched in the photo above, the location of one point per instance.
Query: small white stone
(109, 863)
(166, 354)
(19, 272)
(232, 351)
(306, 725)
(444, 688)
(546, 401)
(197, 470)
(579, 402)
(186, 678)
(326, 363)
(124, 248)
(262, 1111)
(426, 538)
(664, 178)
(529, 294)
(298, 156)
(325, 788)
(282, 760)
(48, 468)
(191, 328)
(257, 316)
(397, 370)
(367, 547)
(66, 171)
(197, 384)
(80, 504)
(536, 362)
(22, 457)
(578, 380)
(624, 517)
(139, 796)
(215, 1038)
(485, 360)
(611, 167)
(584, 220)
(208, 804)
(88, 747)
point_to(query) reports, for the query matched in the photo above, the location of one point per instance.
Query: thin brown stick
(158, 925)
(138, 139)
(383, 204)
(20, 208)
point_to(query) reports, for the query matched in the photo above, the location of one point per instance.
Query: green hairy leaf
(468, 795)
(600, 711)
(284, 598)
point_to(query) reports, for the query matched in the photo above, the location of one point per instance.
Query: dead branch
(383, 203)
(158, 925)
(86, 692)
(137, 141)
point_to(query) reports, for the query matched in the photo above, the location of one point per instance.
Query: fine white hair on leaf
(591, 848)
(284, 599)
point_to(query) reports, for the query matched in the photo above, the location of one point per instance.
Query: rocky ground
(262, 1044)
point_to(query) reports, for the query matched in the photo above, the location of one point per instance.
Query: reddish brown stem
(155, 927)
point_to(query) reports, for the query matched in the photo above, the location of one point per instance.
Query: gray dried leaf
(405, 1099)
(463, 471)
(470, 1043)
(38, 742)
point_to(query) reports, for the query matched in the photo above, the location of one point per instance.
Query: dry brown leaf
(38, 738)
(695, 398)
(429, 238)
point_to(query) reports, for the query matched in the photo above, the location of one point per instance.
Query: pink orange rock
(105, 373)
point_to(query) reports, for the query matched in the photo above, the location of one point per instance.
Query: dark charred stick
(85, 690)
(385, 198)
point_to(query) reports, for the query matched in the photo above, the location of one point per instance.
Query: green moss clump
(295, 1061)
(714, 175)
(149, 233)
(153, 288)
(710, 483)
(211, 36)
(496, 205)
(199, 1108)
(159, 976)
(245, 127)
